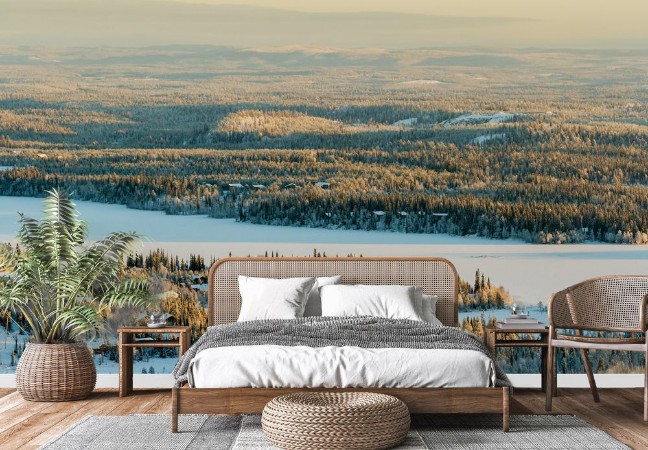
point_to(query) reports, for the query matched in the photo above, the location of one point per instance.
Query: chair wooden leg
(590, 375)
(554, 370)
(551, 380)
(543, 369)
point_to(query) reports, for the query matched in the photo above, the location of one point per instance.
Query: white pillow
(389, 301)
(271, 298)
(314, 303)
(429, 309)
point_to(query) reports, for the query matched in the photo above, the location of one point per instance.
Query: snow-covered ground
(406, 122)
(420, 82)
(501, 314)
(165, 365)
(103, 365)
(476, 119)
(481, 139)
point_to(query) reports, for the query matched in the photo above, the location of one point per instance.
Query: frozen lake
(530, 272)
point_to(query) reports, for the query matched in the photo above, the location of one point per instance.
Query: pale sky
(336, 23)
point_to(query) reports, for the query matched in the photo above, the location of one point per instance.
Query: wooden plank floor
(29, 425)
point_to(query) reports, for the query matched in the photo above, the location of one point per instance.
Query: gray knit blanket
(364, 332)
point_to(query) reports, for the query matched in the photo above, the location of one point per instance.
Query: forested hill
(547, 147)
(538, 194)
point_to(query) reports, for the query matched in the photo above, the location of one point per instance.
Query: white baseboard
(111, 380)
(603, 380)
(142, 381)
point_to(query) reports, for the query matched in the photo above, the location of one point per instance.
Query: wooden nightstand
(127, 343)
(492, 341)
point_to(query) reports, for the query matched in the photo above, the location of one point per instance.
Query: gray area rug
(456, 431)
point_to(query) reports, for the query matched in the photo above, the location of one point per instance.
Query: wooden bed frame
(434, 275)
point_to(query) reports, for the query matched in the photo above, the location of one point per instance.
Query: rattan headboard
(436, 276)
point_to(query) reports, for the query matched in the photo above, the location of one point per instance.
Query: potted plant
(64, 290)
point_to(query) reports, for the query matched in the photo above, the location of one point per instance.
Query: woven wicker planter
(55, 372)
(331, 420)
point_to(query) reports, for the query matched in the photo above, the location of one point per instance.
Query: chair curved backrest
(611, 303)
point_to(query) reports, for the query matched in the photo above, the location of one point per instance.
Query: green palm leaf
(78, 320)
(129, 292)
(62, 287)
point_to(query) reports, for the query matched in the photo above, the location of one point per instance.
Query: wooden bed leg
(506, 401)
(552, 378)
(174, 409)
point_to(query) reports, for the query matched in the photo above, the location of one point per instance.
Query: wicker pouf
(336, 420)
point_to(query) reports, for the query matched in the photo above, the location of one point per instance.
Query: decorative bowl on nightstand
(157, 321)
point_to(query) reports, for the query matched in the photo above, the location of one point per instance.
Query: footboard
(188, 400)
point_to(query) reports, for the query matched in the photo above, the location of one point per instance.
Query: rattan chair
(608, 304)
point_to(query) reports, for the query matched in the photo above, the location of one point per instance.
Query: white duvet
(274, 366)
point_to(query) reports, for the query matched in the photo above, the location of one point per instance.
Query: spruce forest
(544, 146)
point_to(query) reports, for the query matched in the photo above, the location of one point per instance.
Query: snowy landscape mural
(317, 130)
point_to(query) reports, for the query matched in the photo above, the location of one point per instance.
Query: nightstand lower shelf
(127, 343)
(493, 342)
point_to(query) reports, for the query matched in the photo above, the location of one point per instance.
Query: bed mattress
(275, 366)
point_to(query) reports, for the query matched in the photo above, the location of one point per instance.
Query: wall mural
(526, 169)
